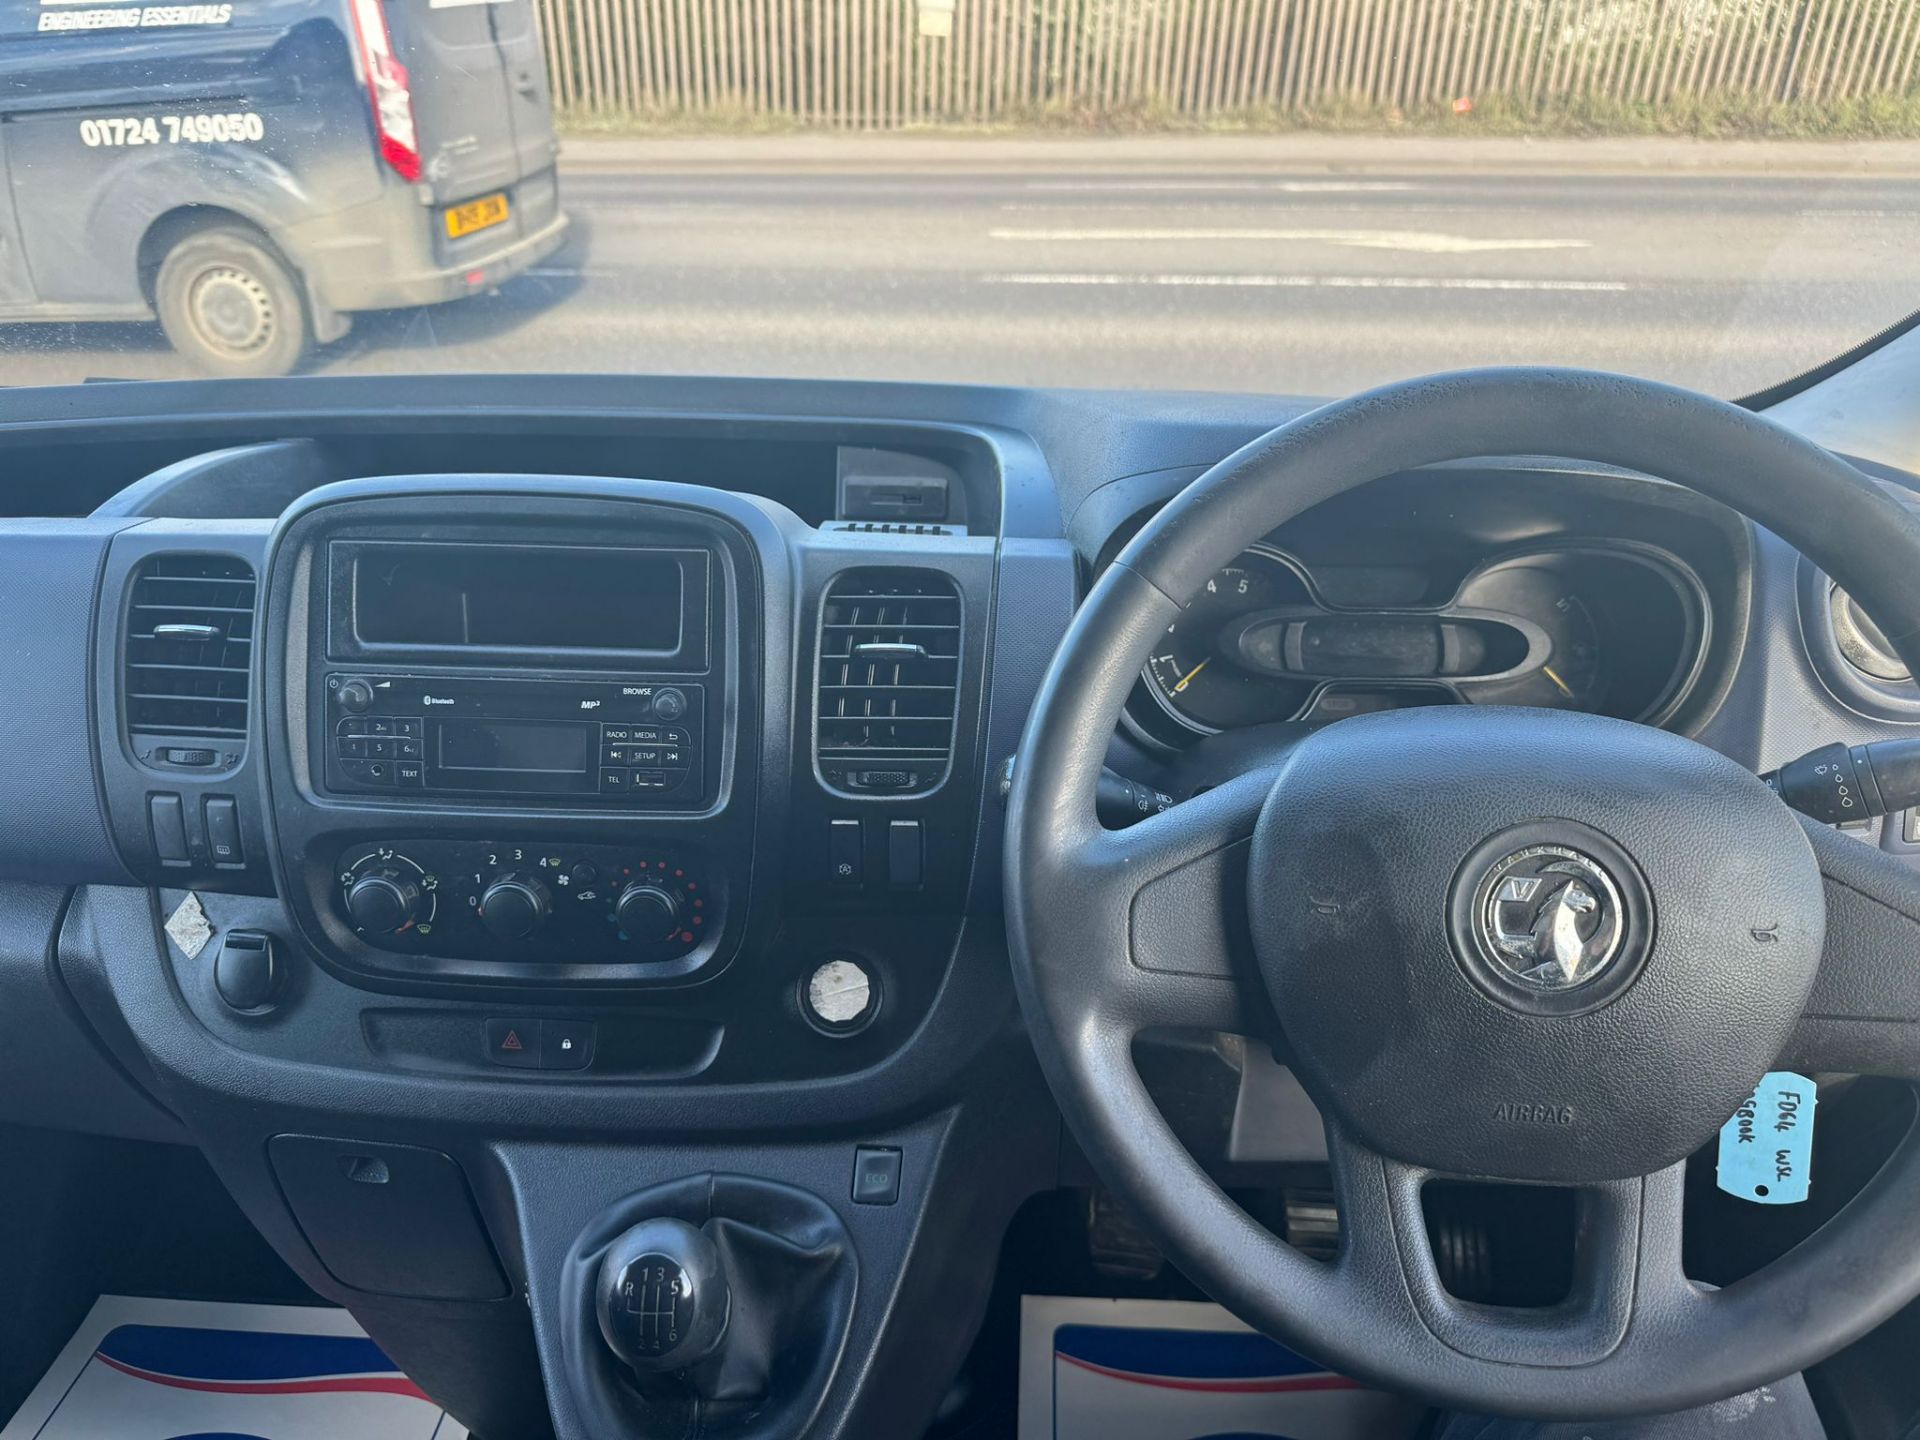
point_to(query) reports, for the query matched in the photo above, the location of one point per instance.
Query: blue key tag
(1766, 1149)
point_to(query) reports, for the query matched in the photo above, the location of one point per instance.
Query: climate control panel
(527, 901)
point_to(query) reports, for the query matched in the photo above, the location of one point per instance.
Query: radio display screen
(521, 746)
(519, 597)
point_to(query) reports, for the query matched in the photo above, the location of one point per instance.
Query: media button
(649, 734)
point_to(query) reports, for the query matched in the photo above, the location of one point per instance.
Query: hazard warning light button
(514, 1042)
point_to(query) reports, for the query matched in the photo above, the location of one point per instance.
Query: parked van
(253, 171)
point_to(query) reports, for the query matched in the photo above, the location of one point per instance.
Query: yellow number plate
(479, 214)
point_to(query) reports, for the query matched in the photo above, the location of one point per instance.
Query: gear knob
(662, 1296)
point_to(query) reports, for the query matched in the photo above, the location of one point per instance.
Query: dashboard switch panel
(532, 901)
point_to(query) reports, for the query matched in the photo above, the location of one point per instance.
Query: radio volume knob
(648, 912)
(669, 704)
(514, 906)
(383, 901)
(356, 696)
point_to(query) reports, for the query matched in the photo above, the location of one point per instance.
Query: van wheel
(230, 305)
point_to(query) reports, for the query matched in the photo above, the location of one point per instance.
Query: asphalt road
(1304, 283)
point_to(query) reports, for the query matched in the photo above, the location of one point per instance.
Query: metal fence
(887, 64)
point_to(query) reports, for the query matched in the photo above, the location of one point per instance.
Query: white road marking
(1288, 187)
(1229, 206)
(1315, 282)
(1423, 242)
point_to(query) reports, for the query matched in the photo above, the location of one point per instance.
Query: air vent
(888, 673)
(189, 646)
(1863, 642)
(892, 527)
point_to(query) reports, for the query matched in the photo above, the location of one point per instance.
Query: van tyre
(232, 306)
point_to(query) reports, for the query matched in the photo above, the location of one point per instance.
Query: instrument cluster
(1608, 627)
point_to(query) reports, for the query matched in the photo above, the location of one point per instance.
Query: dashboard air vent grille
(889, 668)
(893, 527)
(189, 645)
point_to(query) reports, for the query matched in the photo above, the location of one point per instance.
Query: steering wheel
(1350, 906)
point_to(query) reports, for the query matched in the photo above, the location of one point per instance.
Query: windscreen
(1295, 196)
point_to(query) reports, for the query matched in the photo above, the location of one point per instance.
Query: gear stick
(662, 1297)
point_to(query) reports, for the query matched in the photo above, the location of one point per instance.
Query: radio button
(613, 782)
(616, 734)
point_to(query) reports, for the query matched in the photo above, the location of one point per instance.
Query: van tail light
(387, 85)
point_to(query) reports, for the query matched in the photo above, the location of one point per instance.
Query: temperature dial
(514, 906)
(647, 911)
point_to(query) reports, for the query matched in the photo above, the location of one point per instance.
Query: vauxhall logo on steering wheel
(1550, 916)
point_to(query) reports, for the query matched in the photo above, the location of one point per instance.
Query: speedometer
(1190, 674)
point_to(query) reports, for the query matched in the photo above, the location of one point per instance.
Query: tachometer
(1190, 674)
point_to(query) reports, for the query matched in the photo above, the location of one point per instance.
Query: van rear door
(532, 106)
(470, 66)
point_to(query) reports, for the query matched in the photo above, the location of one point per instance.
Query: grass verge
(1706, 117)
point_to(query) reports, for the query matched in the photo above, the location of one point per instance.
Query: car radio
(635, 742)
